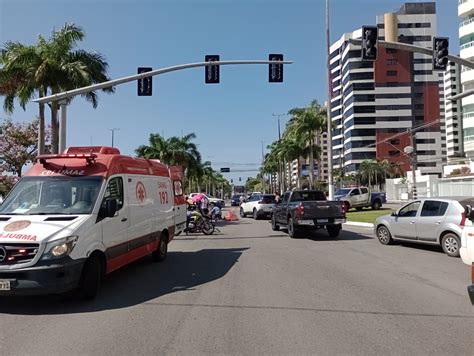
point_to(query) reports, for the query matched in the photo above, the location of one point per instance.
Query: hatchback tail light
(463, 219)
(300, 209)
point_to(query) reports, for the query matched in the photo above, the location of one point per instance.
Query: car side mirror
(111, 207)
(394, 214)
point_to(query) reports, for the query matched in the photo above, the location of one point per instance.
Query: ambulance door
(115, 229)
(176, 175)
(141, 200)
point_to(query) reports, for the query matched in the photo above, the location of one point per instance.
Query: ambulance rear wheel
(161, 251)
(91, 278)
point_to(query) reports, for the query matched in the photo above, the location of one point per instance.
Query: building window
(392, 73)
(394, 153)
(395, 142)
(392, 61)
(453, 86)
(390, 50)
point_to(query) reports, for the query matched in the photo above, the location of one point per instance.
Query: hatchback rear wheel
(451, 244)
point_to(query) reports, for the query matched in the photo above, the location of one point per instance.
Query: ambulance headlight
(59, 248)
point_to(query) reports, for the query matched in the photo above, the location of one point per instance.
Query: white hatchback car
(258, 205)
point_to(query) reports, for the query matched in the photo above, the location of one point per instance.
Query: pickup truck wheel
(292, 232)
(333, 230)
(384, 235)
(255, 214)
(451, 244)
(376, 204)
(275, 226)
(242, 214)
(91, 278)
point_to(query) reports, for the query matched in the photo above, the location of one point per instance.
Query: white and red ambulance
(77, 216)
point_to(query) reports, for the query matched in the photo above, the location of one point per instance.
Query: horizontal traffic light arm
(111, 83)
(418, 49)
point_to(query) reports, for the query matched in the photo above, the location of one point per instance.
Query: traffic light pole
(112, 83)
(418, 49)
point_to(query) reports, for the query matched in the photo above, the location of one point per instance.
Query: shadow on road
(140, 282)
(322, 235)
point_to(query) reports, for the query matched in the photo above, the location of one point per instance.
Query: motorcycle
(197, 223)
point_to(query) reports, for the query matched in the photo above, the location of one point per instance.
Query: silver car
(434, 221)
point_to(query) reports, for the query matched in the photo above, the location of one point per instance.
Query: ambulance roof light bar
(89, 157)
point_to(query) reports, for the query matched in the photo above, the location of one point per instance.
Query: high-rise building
(466, 41)
(452, 112)
(375, 105)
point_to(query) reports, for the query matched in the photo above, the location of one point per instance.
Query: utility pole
(278, 117)
(263, 177)
(414, 162)
(113, 134)
(328, 109)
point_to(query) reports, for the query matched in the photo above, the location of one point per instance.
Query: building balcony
(465, 8)
(466, 27)
(467, 76)
(467, 50)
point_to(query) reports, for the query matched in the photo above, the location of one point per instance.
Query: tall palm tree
(307, 124)
(49, 67)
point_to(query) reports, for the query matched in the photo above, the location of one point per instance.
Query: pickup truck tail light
(300, 209)
(343, 208)
(463, 219)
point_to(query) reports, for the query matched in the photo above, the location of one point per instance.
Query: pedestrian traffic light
(440, 53)
(145, 85)
(275, 70)
(240, 179)
(212, 71)
(370, 38)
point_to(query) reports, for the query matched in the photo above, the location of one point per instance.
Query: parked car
(434, 221)
(360, 197)
(219, 202)
(467, 249)
(258, 205)
(308, 210)
(235, 200)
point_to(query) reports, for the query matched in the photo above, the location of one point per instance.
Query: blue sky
(230, 119)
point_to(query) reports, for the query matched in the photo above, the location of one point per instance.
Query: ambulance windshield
(52, 195)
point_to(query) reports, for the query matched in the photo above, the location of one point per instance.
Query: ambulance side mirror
(111, 207)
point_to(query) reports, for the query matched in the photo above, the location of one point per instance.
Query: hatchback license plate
(323, 220)
(4, 285)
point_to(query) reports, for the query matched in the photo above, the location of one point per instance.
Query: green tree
(306, 125)
(50, 66)
(18, 145)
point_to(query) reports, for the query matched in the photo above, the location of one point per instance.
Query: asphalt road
(253, 291)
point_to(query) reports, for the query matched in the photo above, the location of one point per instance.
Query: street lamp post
(328, 108)
(278, 117)
(113, 134)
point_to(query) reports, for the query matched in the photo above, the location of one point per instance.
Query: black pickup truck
(308, 210)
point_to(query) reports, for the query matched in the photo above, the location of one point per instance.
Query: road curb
(360, 224)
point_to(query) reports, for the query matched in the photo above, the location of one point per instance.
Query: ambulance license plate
(4, 285)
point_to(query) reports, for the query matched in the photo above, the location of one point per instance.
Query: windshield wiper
(10, 214)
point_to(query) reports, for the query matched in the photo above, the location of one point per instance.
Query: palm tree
(369, 169)
(49, 67)
(179, 151)
(307, 125)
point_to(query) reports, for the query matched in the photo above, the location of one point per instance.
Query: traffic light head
(370, 36)
(440, 53)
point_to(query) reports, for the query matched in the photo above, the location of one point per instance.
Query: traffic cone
(231, 216)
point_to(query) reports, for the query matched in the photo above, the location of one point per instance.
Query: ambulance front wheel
(162, 250)
(91, 278)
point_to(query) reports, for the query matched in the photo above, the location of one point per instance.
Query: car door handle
(438, 222)
(124, 219)
(412, 222)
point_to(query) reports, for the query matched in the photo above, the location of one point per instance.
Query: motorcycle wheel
(207, 228)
